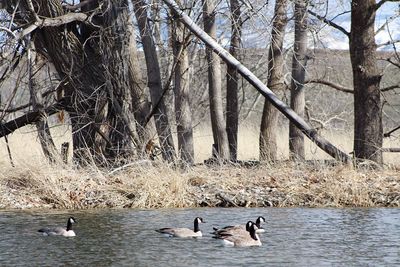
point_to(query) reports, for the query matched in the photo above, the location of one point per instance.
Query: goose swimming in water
(241, 240)
(233, 230)
(183, 232)
(60, 230)
(259, 220)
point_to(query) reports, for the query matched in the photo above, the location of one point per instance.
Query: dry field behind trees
(33, 183)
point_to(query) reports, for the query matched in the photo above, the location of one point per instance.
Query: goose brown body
(249, 239)
(243, 227)
(183, 232)
(63, 231)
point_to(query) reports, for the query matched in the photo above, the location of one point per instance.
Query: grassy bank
(35, 184)
(152, 185)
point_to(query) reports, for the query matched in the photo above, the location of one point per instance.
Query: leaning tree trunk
(269, 120)
(264, 90)
(183, 113)
(368, 131)
(297, 99)
(154, 81)
(232, 78)
(221, 147)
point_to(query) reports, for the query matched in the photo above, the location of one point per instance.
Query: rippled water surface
(293, 237)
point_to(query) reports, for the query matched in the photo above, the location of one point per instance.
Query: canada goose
(60, 230)
(249, 240)
(259, 220)
(234, 230)
(183, 232)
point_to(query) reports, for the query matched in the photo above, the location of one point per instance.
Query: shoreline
(156, 185)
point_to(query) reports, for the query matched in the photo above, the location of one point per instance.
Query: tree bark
(183, 112)
(264, 90)
(297, 98)
(81, 70)
(269, 120)
(214, 82)
(140, 104)
(45, 139)
(154, 81)
(114, 45)
(232, 78)
(92, 64)
(368, 129)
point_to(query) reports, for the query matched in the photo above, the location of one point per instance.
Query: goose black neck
(196, 225)
(69, 225)
(258, 222)
(253, 234)
(248, 226)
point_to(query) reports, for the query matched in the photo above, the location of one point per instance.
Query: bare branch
(329, 22)
(8, 31)
(378, 5)
(387, 22)
(385, 89)
(49, 22)
(393, 62)
(29, 118)
(390, 42)
(331, 84)
(391, 131)
(32, 9)
(77, 6)
(391, 149)
(11, 110)
(346, 89)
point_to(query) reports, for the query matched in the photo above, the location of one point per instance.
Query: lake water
(293, 237)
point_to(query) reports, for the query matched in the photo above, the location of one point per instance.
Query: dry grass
(146, 186)
(31, 186)
(35, 184)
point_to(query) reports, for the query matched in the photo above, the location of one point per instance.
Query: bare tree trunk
(214, 82)
(156, 6)
(95, 79)
(183, 112)
(232, 77)
(264, 90)
(82, 75)
(297, 99)
(139, 100)
(46, 141)
(368, 129)
(269, 120)
(114, 44)
(154, 81)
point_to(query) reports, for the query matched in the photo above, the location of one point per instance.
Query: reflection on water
(294, 237)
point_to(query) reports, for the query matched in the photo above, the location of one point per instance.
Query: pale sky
(257, 34)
